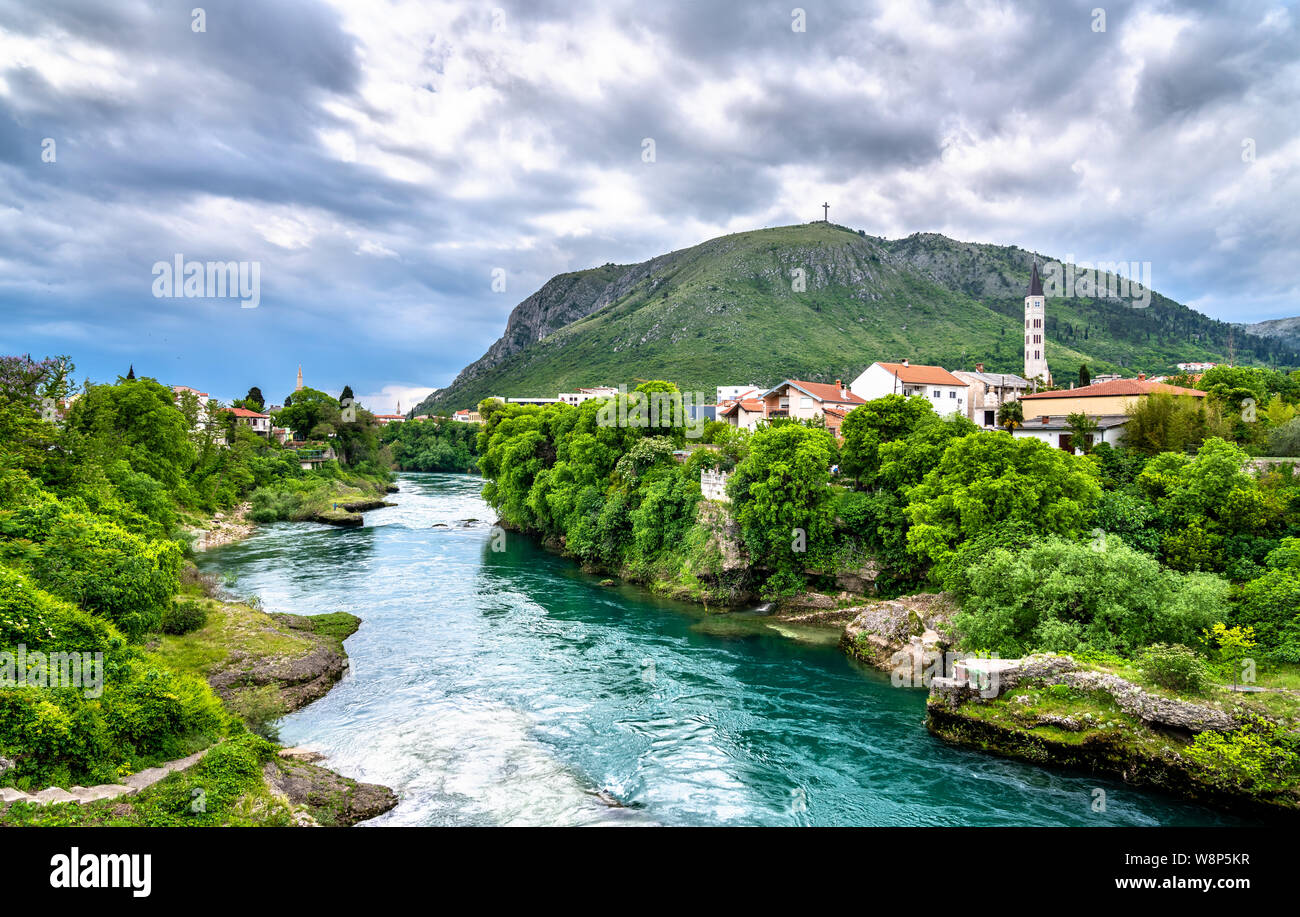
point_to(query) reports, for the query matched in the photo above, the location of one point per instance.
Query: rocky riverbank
(225, 527)
(1051, 710)
(264, 666)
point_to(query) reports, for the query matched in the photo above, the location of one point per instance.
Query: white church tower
(1036, 330)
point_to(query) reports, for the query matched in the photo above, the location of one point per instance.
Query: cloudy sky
(380, 159)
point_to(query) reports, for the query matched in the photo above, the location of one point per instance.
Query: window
(989, 418)
(1038, 355)
(952, 394)
(936, 393)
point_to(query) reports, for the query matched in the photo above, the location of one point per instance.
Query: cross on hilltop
(826, 209)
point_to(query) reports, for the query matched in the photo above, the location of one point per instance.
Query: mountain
(1284, 330)
(724, 312)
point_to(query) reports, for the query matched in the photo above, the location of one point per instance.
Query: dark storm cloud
(380, 159)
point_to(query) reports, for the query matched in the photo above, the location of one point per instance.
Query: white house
(1055, 431)
(258, 423)
(201, 420)
(946, 393)
(586, 394)
(737, 392)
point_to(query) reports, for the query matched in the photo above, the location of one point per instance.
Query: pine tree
(1085, 377)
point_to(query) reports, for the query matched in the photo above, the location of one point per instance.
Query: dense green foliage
(1065, 596)
(93, 507)
(1111, 552)
(438, 444)
(145, 713)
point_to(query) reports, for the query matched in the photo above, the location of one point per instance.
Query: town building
(586, 394)
(1036, 331)
(986, 392)
(255, 421)
(385, 419)
(946, 393)
(1099, 399)
(745, 413)
(463, 416)
(1055, 431)
(736, 392)
(802, 400)
(202, 398)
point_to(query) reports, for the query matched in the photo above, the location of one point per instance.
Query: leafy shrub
(1059, 595)
(142, 714)
(184, 617)
(1261, 756)
(1176, 667)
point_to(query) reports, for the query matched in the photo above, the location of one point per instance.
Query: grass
(231, 627)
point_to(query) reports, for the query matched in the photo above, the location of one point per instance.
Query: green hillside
(725, 312)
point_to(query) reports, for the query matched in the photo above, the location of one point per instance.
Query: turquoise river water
(509, 688)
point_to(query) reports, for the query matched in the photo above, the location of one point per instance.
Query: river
(509, 688)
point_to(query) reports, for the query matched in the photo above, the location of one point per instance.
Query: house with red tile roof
(1101, 398)
(744, 413)
(802, 400)
(946, 393)
(257, 422)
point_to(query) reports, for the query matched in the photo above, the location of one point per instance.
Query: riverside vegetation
(1168, 561)
(94, 544)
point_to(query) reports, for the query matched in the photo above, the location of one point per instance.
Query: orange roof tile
(1118, 387)
(823, 392)
(923, 375)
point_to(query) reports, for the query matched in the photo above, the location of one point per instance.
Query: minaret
(1035, 330)
(299, 388)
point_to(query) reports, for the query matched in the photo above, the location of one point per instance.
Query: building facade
(1100, 399)
(986, 392)
(946, 393)
(1036, 331)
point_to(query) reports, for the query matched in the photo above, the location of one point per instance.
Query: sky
(402, 174)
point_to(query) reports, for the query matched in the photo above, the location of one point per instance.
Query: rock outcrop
(331, 800)
(1155, 710)
(911, 625)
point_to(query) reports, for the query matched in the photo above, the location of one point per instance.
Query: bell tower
(1036, 330)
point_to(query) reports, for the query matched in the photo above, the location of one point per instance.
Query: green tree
(1083, 429)
(309, 410)
(988, 479)
(1232, 645)
(1062, 596)
(782, 501)
(1011, 414)
(867, 427)
(1085, 377)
